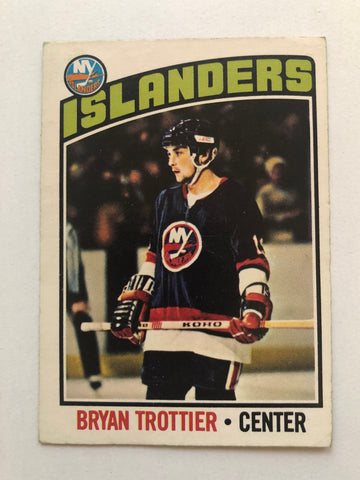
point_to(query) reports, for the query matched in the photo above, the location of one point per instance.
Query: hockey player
(205, 261)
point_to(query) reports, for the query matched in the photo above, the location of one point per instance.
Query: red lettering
(163, 421)
(112, 423)
(182, 415)
(210, 421)
(81, 423)
(190, 421)
(123, 420)
(103, 417)
(150, 418)
(140, 414)
(173, 421)
(93, 419)
(199, 420)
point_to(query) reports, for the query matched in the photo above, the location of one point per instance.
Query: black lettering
(267, 421)
(244, 427)
(300, 422)
(278, 416)
(288, 421)
(255, 421)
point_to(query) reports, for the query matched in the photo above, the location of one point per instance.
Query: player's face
(179, 161)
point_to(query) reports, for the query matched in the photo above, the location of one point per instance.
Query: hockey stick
(197, 325)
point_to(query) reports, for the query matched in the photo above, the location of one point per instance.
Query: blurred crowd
(114, 176)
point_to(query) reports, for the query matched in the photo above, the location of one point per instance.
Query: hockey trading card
(185, 290)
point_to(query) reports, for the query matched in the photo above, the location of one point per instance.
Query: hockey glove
(255, 308)
(133, 308)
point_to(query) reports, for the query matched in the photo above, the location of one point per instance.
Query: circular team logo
(181, 246)
(85, 75)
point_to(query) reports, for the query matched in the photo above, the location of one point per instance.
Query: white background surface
(24, 27)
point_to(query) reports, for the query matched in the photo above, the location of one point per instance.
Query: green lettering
(210, 79)
(69, 118)
(118, 108)
(237, 76)
(183, 84)
(268, 75)
(94, 110)
(151, 87)
(299, 75)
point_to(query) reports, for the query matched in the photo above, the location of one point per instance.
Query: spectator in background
(77, 308)
(257, 175)
(152, 179)
(117, 231)
(278, 203)
(83, 181)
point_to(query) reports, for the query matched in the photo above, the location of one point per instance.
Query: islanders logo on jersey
(181, 246)
(85, 75)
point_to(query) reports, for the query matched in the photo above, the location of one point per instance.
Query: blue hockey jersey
(199, 251)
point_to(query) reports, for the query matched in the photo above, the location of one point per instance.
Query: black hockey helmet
(196, 134)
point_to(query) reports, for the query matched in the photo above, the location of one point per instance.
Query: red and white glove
(133, 308)
(256, 308)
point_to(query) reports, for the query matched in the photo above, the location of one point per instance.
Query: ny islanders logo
(181, 246)
(85, 75)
